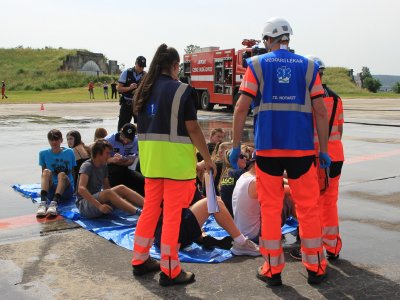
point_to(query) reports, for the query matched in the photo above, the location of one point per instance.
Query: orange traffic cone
(42, 107)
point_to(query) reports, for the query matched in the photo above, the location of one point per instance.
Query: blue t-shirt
(58, 162)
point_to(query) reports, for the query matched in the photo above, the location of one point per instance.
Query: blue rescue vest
(282, 108)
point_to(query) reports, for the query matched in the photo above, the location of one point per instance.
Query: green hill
(38, 69)
(338, 80)
(26, 69)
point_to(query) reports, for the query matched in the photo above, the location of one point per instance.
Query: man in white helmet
(329, 193)
(287, 94)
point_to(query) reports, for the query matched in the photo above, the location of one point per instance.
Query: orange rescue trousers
(303, 182)
(169, 196)
(329, 211)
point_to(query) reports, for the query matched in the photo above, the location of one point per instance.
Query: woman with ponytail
(168, 135)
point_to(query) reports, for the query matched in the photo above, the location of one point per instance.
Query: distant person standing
(91, 90)
(105, 90)
(3, 90)
(114, 90)
(127, 84)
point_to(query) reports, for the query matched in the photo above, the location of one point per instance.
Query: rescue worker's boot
(331, 256)
(313, 278)
(182, 278)
(150, 265)
(275, 280)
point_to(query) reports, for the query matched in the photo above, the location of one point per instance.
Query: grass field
(32, 76)
(82, 95)
(56, 96)
(25, 69)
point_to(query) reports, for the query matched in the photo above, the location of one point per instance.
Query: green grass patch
(57, 96)
(339, 81)
(26, 69)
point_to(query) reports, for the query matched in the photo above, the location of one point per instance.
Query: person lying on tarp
(193, 219)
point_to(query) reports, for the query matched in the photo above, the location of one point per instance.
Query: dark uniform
(126, 79)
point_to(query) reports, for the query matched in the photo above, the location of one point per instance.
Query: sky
(343, 33)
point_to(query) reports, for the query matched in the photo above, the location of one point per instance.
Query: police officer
(287, 94)
(127, 84)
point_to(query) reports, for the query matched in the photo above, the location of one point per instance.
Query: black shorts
(189, 231)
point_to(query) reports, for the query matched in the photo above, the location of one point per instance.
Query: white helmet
(276, 27)
(317, 60)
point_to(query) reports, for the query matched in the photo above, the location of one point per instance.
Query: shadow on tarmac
(347, 281)
(172, 292)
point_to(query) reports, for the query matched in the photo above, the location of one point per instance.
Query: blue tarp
(119, 228)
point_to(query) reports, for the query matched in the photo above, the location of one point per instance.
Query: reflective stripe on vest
(270, 244)
(274, 261)
(307, 107)
(173, 135)
(313, 259)
(311, 243)
(159, 150)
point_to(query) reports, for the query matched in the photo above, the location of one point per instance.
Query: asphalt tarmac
(59, 260)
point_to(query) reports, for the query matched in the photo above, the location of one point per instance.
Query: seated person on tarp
(57, 174)
(99, 133)
(95, 196)
(217, 157)
(193, 219)
(217, 135)
(123, 155)
(229, 177)
(81, 152)
(246, 207)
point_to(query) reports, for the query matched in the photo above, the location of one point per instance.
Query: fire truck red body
(216, 74)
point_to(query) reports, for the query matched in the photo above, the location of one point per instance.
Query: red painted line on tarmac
(357, 159)
(23, 221)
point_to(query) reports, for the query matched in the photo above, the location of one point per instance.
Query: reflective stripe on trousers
(329, 217)
(305, 191)
(141, 249)
(174, 195)
(271, 194)
(169, 262)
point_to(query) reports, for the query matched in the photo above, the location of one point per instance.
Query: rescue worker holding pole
(328, 199)
(287, 94)
(168, 134)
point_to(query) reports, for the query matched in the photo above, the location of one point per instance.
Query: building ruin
(90, 63)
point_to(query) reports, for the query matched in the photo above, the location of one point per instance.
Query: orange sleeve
(317, 90)
(249, 83)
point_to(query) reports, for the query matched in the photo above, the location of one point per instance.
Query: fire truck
(216, 74)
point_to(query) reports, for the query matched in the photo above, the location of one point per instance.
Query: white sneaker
(52, 209)
(248, 248)
(41, 212)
